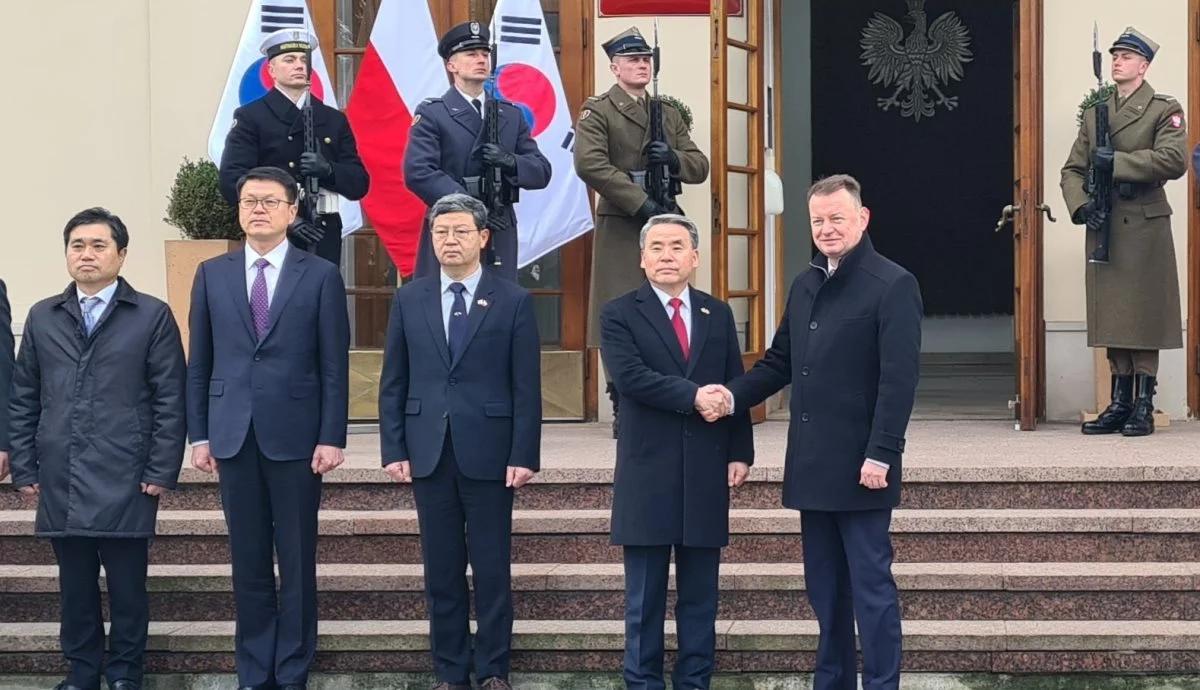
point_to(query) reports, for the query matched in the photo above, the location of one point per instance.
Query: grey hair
(460, 203)
(670, 219)
(834, 184)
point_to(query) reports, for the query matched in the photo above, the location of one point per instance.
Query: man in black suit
(98, 423)
(270, 132)
(460, 413)
(6, 371)
(662, 344)
(447, 151)
(268, 390)
(853, 364)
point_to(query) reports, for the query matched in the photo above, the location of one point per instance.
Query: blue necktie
(89, 313)
(456, 330)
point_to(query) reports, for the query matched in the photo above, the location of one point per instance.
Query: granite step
(925, 488)
(763, 646)
(582, 536)
(750, 591)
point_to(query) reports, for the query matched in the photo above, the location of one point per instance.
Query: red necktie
(677, 324)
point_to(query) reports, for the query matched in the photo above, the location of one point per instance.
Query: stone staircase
(1040, 553)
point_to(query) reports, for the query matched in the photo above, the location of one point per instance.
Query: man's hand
(203, 460)
(1081, 214)
(713, 401)
(738, 471)
(495, 156)
(314, 164)
(516, 477)
(305, 233)
(649, 209)
(657, 153)
(153, 489)
(1102, 158)
(1096, 219)
(326, 458)
(31, 490)
(873, 476)
(3, 464)
(399, 471)
(498, 223)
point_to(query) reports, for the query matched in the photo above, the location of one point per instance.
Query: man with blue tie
(268, 390)
(97, 431)
(460, 414)
(663, 344)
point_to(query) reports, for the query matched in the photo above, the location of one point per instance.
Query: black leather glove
(498, 223)
(1102, 158)
(305, 234)
(1096, 219)
(495, 156)
(650, 209)
(1081, 214)
(657, 153)
(314, 164)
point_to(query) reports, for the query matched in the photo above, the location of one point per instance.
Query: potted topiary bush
(206, 221)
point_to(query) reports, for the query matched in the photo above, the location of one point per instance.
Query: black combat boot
(614, 398)
(1112, 419)
(1141, 421)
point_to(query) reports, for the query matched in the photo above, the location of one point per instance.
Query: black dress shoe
(292, 686)
(1141, 420)
(1113, 418)
(123, 685)
(66, 686)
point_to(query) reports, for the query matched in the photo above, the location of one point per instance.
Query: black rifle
(495, 190)
(1100, 182)
(660, 185)
(310, 191)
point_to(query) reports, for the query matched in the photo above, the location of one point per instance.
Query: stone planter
(183, 257)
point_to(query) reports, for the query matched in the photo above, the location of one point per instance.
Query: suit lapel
(236, 283)
(701, 315)
(484, 298)
(433, 316)
(294, 266)
(1132, 111)
(653, 311)
(463, 112)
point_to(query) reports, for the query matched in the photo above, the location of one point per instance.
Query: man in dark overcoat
(98, 424)
(6, 370)
(662, 344)
(447, 149)
(849, 344)
(1133, 300)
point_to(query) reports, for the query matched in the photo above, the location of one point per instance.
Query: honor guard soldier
(448, 148)
(270, 132)
(612, 145)
(1133, 299)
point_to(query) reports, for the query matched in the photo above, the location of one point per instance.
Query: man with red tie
(663, 344)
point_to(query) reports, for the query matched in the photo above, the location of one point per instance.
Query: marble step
(929, 591)
(764, 646)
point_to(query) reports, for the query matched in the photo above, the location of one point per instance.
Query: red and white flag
(400, 69)
(248, 80)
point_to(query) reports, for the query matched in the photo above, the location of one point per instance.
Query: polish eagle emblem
(917, 66)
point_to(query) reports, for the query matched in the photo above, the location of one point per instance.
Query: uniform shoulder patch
(233, 124)
(584, 115)
(1177, 120)
(416, 119)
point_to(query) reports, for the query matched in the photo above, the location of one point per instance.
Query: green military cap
(1136, 41)
(628, 42)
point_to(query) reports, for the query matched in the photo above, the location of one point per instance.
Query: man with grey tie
(97, 435)
(268, 383)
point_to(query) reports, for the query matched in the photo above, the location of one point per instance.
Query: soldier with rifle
(1129, 145)
(470, 141)
(291, 130)
(634, 151)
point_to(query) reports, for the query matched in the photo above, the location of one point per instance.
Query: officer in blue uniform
(447, 150)
(270, 132)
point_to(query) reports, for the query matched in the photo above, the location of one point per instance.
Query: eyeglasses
(442, 234)
(269, 203)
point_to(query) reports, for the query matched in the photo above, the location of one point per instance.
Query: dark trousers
(271, 508)
(330, 245)
(82, 631)
(697, 572)
(848, 573)
(461, 520)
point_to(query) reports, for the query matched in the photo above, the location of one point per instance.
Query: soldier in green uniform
(612, 139)
(1133, 300)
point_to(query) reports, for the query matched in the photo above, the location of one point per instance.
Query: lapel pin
(704, 310)
(481, 302)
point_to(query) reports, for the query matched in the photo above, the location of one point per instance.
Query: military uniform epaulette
(1165, 97)
(432, 99)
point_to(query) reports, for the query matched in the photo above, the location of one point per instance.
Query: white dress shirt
(482, 98)
(275, 257)
(685, 310)
(471, 282)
